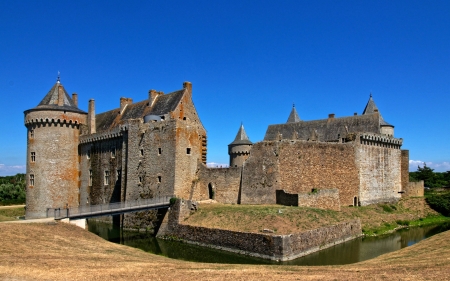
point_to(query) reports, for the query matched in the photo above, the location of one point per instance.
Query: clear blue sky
(248, 61)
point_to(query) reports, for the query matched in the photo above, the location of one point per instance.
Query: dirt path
(12, 207)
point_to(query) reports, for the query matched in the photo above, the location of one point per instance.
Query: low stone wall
(414, 189)
(267, 246)
(320, 198)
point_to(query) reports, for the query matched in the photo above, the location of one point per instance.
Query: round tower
(52, 152)
(239, 149)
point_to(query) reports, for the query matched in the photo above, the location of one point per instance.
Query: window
(113, 152)
(33, 156)
(31, 179)
(140, 179)
(159, 178)
(159, 151)
(119, 174)
(106, 177)
(188, 150)
(142, 152)
(88, 154)
(90, 177)
(31, 133)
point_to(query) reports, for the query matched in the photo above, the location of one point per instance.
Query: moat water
(353, 251)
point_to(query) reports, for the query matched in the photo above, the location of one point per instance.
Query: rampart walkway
(89, 211)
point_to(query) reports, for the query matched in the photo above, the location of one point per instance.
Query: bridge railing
(61, 213)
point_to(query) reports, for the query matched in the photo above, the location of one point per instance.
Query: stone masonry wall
(298, 166)
(189, 146)
(414, 189)
(274, 247)
(322, 199)
(405, 169)
(224, 182)
(260, 174)
(308, 165)
(379, 173)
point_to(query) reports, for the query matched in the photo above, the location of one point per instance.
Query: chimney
(355, 114)
(60, 95)
(124, 102)
(188, 86)
(91, 117)
(331, 116)
(75, 99)
(152, 95)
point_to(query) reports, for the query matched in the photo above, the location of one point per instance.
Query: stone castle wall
(307, 165)
(414, 189)
(53, 139)
(260, 174)
(223, 182)
(405, 169)
(298, 166)
(379, 173)
(321, 198)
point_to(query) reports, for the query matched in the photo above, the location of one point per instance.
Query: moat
(353, 251)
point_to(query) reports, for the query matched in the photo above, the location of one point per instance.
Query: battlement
(380, 140)
(54, 117)
(114, 133)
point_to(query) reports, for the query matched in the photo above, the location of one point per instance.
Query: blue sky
(248, 62)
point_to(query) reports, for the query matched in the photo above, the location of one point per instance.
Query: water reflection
(349, 252)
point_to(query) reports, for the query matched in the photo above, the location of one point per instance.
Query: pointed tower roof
(241, 137)
(371, 107)
(51, 100)
(293, 117)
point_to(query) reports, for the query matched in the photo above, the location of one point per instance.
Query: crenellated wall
(380, 178)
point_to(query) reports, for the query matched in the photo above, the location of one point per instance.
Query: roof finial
(58, 80)
(370, 94)
(293, 104)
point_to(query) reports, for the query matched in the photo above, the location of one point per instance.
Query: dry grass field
(57, 251)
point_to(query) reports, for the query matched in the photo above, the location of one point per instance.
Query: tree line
(431, 179)
(12, 189)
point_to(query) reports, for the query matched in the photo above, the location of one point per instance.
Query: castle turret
(239, 149)
(385, 127)
(52, 153)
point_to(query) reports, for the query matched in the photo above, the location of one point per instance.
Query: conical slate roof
(241, 137)
(371, 107)
(50, 101)
(293, 117)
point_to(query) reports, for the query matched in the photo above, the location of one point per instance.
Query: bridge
(89, 211)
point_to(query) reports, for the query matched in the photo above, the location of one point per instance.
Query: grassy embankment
(10, 214)
(375, 219)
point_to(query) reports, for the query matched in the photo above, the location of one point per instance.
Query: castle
(157, 147)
